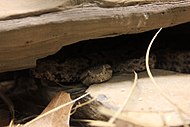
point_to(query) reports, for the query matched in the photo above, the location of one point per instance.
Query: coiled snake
(99, 67)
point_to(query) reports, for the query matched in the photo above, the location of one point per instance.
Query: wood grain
(24, 40)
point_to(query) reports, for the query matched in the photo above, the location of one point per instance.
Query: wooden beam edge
(32, 38)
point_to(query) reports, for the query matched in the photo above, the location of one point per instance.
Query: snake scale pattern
(99, 67)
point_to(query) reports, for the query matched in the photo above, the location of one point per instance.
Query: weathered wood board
(32, 33)
(23, 8)
(113, 3)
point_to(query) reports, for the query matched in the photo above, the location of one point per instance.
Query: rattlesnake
(99, 67)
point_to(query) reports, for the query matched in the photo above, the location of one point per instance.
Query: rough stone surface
(146, 101)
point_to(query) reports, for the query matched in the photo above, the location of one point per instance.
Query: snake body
(97, 68)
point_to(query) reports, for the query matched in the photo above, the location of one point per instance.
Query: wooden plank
(113, 3)
(24, 40)
(22, 8)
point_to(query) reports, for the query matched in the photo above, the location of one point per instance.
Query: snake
(96, 67)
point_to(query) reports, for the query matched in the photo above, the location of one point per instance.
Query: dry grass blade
(161, 91)
(81, 105)
(54, 110)
(11, 123)
(113, 118)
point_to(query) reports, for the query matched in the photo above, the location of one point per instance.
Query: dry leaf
(58, 118)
